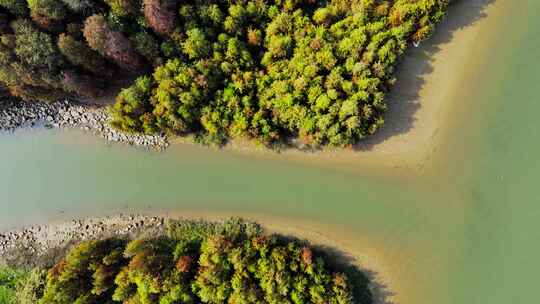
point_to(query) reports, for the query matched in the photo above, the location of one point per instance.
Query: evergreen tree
(271, 71)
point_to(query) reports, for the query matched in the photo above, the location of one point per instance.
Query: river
(464, 230)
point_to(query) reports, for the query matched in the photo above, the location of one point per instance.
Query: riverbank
(184, 240)
(37, 245)
(422, 105)
(41, 245)
(467, 228)
(65, 114)
(425, 105)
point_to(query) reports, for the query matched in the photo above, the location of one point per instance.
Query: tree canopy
(268, 70)
(234, 262)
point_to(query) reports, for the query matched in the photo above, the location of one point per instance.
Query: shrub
(30, 289)
(9, 280)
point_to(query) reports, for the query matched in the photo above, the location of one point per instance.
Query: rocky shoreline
(65, 114)
(39, 245)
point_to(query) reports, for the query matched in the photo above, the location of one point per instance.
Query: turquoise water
(468, 233)
(502, 227)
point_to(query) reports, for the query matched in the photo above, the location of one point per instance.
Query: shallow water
(467, 232)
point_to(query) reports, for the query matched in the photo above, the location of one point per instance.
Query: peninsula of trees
(233, 262)
(268, 70)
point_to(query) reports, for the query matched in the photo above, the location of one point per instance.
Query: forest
(194, 262)
(271, 71)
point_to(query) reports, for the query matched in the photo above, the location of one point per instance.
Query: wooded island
(269, 70)
(190, 262)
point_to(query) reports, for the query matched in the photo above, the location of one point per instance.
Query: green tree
(33, 47)
(53, 9)
(122, 7)
(273, 71)
(230, 262)
(196, 45)
(132, 110)
(78, 53)
(80, 6)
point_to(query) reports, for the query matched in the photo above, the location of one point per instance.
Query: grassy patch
(9, 279)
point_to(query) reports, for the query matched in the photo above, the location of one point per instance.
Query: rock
(62, 114)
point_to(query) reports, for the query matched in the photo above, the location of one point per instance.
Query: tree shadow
(365, 284)
(113, 88)
(403, 99)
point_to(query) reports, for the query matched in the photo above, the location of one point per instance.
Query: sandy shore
(377, 262)
(66, 114)
(39, 245)
(42, 245)
(38, 240)
(421, 105)
(420, 118)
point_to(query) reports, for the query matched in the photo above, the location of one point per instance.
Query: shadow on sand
(417, 63)
(366, 286)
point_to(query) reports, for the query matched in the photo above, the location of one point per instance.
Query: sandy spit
(422, 104)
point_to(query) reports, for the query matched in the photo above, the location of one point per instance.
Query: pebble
(40, 240)
(64, 114)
